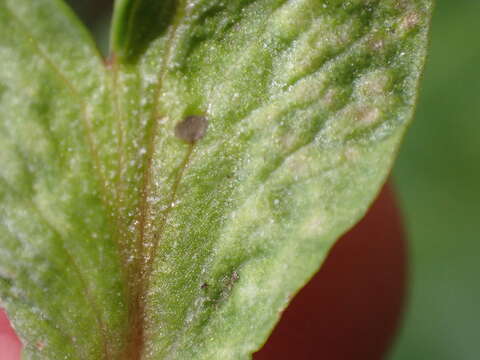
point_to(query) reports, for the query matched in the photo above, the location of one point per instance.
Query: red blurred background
(9, 343)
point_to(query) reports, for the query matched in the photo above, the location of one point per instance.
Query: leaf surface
(129, 232)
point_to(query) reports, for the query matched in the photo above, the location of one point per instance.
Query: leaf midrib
(142, 268)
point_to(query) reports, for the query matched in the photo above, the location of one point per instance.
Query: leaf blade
(49, 228)
(347, 72)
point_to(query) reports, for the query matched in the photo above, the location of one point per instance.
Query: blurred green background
(438, 178)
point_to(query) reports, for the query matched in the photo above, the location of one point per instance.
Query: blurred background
(437, 179)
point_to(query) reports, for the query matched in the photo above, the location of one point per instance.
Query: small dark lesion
(192, 128)
(234, 278)
(217, 292)
(229, 283)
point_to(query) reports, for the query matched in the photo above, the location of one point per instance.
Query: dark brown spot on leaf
(235, 277)
(191, 129)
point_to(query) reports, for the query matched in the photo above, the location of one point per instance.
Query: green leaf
(129, 228)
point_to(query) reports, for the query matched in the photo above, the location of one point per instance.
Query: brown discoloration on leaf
(409, 22)
(192, 128)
